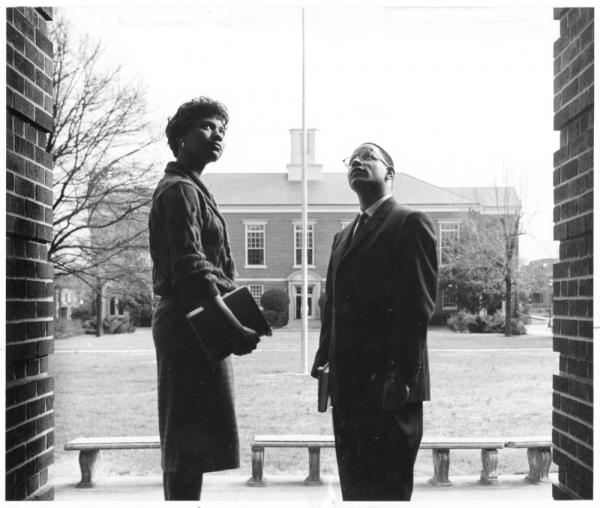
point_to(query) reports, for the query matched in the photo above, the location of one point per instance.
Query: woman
(193, 267)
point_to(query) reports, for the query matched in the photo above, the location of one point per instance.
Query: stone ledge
(220, 487)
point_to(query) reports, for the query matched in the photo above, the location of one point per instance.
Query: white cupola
(313, 170)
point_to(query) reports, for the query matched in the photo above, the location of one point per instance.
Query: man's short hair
(387, 158)
(187, 114)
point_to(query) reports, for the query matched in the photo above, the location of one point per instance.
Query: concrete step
(219, 489)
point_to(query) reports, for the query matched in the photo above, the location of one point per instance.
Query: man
(380, 294)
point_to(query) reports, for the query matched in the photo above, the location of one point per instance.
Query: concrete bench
(539, 455)
(89, 447)
(440, 447)
(313, 442)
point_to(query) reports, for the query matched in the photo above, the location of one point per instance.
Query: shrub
(82, 313)
(118, 324)
(277, 301)
(465, 322)
(65, 328)
(497, 322)
(489, 323)
(283, 318)
(276, 319)
(517, 327)
(460, 321)
(479, 324)
(271, 317)
(139, 307)
(111, 325)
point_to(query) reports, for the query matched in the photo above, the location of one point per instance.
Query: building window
(255, 244)
(449, 236)
(449, 298)
(298, 244)
(256, 290)
(537, 298)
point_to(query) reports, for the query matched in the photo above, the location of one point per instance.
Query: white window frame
(311, 235)
(263, 225)
(259, 288)
(447, 227)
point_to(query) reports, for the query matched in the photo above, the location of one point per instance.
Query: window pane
(449, 298)
(255, 241)
(256, 290)
(298, 244)
(449, 236)
(255, 257)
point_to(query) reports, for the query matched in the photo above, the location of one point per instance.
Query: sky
(457, 96)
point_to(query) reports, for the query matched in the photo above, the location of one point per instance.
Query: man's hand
(315, 370)
(395, 392)
(245, 342)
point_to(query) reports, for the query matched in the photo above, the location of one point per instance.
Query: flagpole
(304, 302)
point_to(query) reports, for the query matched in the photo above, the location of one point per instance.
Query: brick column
(29, 293)
(572, 415)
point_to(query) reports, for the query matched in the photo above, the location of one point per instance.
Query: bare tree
(482, 259)
(511, 227)
(101, 133)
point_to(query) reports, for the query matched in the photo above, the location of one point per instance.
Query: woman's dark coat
(192, 263)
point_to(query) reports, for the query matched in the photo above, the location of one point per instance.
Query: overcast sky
(458, 96)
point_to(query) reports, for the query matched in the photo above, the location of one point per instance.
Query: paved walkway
(281, 490)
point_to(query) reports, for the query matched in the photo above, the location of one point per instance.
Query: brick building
(572, 415)
(29, 286)
(263, 212)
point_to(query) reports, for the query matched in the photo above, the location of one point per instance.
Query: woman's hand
(245, 342)
(245, 339)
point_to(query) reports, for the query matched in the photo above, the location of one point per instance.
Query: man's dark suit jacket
(380, 294)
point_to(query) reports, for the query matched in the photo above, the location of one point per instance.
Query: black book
(323, 397)
(215, 334)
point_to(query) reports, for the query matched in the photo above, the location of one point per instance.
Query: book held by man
(216, 335)
(323, 397)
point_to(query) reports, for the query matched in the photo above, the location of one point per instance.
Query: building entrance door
(298, 313)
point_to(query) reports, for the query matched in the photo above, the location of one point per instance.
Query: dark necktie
(362, 218)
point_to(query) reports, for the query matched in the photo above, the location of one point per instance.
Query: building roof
(489, 197)
(239, 189)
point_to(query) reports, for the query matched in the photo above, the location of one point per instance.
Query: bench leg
(314, 466)
(489, 461)
(87, 464)
(441, 465)
(539, 464)
(258, 458)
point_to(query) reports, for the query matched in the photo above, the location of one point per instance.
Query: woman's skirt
(196, 414)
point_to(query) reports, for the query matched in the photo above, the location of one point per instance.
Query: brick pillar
(572, 415)
(29, 293)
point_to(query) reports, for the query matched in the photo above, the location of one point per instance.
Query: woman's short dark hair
(187, 114)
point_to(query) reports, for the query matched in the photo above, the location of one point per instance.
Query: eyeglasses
(365, 155)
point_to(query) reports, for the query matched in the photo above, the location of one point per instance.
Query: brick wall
(279, 252)
(573, 274)
(29, 388)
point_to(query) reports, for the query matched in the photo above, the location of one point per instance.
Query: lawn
(481, 386)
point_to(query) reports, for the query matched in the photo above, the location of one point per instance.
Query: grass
(481, 386)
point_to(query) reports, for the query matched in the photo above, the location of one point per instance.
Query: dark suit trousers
(376, 451)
